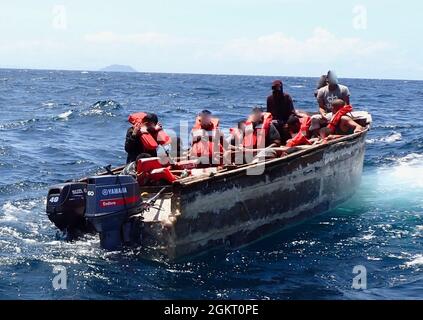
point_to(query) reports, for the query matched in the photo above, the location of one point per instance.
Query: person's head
(323, 82)
(337, 105)
(293, 124)
(277, 87)
(205, 118)
(150, 121)
(241, 125)
(332, 79)
(257, 114)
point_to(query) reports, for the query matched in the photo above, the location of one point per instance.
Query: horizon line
(199, 73)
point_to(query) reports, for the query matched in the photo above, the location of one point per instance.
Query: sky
(358, 39)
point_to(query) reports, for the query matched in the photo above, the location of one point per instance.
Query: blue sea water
(51, 130)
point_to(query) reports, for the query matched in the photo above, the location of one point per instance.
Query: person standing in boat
(208, 141)
(145, 136)
(281, 106)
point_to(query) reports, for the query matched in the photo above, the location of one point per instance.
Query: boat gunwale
(188, 182)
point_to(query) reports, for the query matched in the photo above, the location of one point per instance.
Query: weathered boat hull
(238, 207)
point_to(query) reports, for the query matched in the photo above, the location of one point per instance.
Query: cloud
(321, 46)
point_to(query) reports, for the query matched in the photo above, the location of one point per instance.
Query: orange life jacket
(237, 135)
(151, 170)
(256, 137)
(336, 120)
(301, 137)
(206, 147)
(305, 125)
(299, 140)
(150, 141)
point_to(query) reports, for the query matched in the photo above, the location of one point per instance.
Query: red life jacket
(148, 140)
(206, 147)
(256, 137)
(305, 125)
(336, 120)
(237, 135)
(301, 138)
(151, 170)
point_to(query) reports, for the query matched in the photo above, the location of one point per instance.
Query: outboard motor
(113, 203)
(66, 206)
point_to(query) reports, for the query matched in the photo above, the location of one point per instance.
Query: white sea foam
(417, 261)
(48, 104)
(65, 115)
(392, 138)
(10, 212)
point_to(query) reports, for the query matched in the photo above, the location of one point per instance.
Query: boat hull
(241, 206)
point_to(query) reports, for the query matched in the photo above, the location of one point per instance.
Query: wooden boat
(236, 206)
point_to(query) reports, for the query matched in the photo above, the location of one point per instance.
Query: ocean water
(52, 129)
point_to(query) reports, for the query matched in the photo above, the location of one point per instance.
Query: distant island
(118, 68)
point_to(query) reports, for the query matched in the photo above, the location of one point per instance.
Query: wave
(404, 176)
(417, 261)
(17, 124)
(65, 115)
(102, 108)
(391, 138)
(48, 104)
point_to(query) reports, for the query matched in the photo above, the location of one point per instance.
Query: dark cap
(293, 120)
(257, 109)
(151, 117)
(205, 113)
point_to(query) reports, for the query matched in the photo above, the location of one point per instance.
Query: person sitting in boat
(301, 134)
(236, 137)
(341, 123)
(208, 142)
(281, 106)
(261, 136)
(325, 96)
(145, 136)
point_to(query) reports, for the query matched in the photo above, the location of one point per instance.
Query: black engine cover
(66, 204)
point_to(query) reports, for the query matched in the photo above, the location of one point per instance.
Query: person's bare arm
(322, 110)
(275, 144)
(347, 121)
(347, 100)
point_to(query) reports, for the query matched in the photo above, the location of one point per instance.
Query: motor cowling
(66, 204)
(112, 202)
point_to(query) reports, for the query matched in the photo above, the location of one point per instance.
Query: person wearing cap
(134, 145)
(281, 106)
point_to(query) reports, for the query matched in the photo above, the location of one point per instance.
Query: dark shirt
(272, 136)
(281, 107)
(134, 147)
